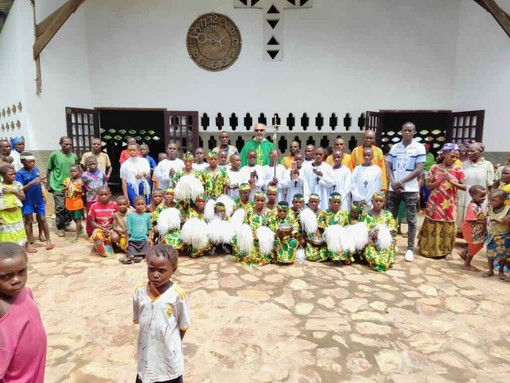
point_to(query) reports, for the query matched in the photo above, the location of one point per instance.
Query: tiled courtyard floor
(420, 322)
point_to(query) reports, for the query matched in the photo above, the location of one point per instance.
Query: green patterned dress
(238, 204)
(255, 257)
(214, 182)
(380, 260)
(177, 176)
(327, 218)
(285, 247)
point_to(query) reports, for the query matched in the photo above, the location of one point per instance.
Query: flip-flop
(137, 259)
(31, 250)
(50, 246)
(126, 260)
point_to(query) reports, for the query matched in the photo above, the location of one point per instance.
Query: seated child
(221, 214)
(243, 201)
(119, 234)
(286, 243)
(22, 336)
(379, 259)
(161, 310)
(34, 202)
(101, 214)
(498, 229)
(196, 211)
(73, 189)
(474, 226)
(272, 193)
(156, 200)
(140, 229)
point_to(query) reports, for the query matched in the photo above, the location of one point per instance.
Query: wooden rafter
(497, 12)
(49, 27)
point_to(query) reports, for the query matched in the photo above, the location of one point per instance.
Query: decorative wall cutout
(347, 121)
(274, 11)
(20, 106)
(220, 122)
(248, 121)
(204, 121)
(319, 121)
(233, 121)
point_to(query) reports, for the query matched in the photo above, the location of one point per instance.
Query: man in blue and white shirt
(405, 164)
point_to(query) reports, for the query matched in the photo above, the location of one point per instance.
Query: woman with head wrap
(478, 171)
(438, 232)
(17, 147)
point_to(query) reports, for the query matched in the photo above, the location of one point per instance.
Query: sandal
(138, 259)
(50, 246)
(31, 250)
(127, 260)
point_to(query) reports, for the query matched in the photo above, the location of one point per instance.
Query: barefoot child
(101, 214)
(93, 180)
(119, 234)
(161, 310)
(139, 229)
(73, 189)
(30, 178)
(498, 228)
(474, 226)
(22, 335)
(11, 219)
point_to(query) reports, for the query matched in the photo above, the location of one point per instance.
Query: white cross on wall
(273, 22)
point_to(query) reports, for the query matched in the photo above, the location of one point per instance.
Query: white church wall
(12, 91)
(482, 78)
(340, 56)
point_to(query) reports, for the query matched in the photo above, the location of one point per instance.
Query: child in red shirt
(101, 216)
(474, 226)
(22, 336)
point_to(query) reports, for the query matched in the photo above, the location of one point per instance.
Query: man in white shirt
(366, 180)
(319, 178)
(341, 175)
(168, 167)
(309, 154)
(404, 166)
(296, 181)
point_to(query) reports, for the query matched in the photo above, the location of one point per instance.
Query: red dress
(442, 203)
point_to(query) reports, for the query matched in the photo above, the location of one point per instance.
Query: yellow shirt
(345, 162)
(506, 188)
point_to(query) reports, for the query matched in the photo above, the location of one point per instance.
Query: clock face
(213, 42)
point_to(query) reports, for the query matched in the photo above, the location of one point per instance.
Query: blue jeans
(410, 200)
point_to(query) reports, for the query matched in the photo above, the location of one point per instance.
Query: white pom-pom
(220, 231)
(245, 239)
(169, 219)
(300, 255)
(237, 219)
(194, 233)
(384, 238)
(209, 210)
(308, 221)
(228, 202)
(266, 240)
(188, 188)
(359, 232)
(348, 243)
(332, 236)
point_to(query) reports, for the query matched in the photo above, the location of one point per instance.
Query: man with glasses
(260, 145)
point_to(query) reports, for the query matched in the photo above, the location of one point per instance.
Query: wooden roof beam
(49, 27)
(497, 12)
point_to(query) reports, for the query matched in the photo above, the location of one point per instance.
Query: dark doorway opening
(431, 127)
(116, 125)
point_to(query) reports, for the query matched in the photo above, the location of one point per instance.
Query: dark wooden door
(466, 126)
(373, 121)
(82, 126)
(182, 127)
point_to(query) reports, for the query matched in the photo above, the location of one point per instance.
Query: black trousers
(176, 380)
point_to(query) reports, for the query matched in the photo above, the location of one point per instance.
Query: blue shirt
(138, 226)
(34, 195)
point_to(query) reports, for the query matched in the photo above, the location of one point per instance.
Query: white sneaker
(409, 257)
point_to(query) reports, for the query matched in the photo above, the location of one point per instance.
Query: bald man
(378, 156)
(260, 145)
(340, 145)
(294, 149)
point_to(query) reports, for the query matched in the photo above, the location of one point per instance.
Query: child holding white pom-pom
(380, 252)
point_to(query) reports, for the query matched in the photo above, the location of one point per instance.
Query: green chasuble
(263, 150)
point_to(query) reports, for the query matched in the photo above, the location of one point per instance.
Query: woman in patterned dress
(380, 259)
(438, 232)
(187, 170)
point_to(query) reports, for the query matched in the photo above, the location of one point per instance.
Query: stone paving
(424, 321)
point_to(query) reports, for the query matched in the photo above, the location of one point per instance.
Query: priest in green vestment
(259, 144)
